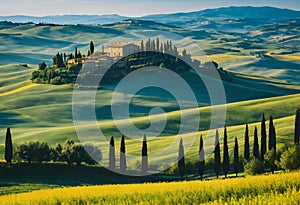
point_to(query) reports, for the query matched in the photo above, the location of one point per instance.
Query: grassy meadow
(44, 113)
(283, 188)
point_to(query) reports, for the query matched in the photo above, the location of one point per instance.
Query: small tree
(67, 152)
(255, 146)
(181, 163)
(201, 165)
(217, 156)
(263, 137)
(236, 157)
(270, 159)
(123, 165)
(297, 127)
(112, 155)
(33, 152)
(144, 156)
(93, 154)
(254, 166)
(8, 147)
(290, 159)
(56, 153)
(42, 65)
(225, 154)
(246, 145)
(86, 153)
(77, 154)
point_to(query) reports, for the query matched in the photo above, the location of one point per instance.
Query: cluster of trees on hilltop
(65, 67)
(61, 72)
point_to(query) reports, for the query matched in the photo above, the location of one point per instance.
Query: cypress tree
(246, 145)
(112, 155)
(144, 156)
(8, 147)
(297, 127)
(225, 154)
(217, 156)
(123, 156)
(76, 53)
(92, 47)
(201, 165)
(263, 137)
(181, 163)
(157, 44)
(271, 137)
(142, 45)
(236, 157)
(256, 147)
(274, 138)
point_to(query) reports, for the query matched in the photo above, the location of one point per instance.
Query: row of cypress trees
(123, 163)
(201, 164)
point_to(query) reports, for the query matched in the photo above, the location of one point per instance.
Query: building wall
(123, 50)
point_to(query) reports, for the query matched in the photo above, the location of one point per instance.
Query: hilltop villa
(122, 49)
(106, 58)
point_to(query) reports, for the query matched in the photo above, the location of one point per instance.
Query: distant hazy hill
(66, 19)
(266, 13)
(231, 12)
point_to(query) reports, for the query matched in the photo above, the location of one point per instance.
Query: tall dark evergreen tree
(201, 165)
(170, 45)
(217, 156)
(112, 155)
(153, 45)
(76, 53)
(181, 163)
(161, 47)
(270, 144)
(236, 157)
(246, 145)
(274, 138)
(225, 154)
(256, 146)
(144, 156)
(157, 44)
(123, 165)
(92, 47)
(142, 45)
(263, 145)
(8, 147)
(297, 127)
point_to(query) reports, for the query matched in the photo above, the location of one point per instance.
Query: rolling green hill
(44, 112)
(265, 78)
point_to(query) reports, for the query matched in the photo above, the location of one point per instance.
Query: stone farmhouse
(105, 59)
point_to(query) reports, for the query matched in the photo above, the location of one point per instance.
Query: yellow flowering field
(281, 188)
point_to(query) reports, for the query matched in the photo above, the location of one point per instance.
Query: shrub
(290, 159)
(33, 152)
(34, 75)
(253, 167)
(42, 65)
(270, 159)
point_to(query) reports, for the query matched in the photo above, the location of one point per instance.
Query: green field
(44, 113)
